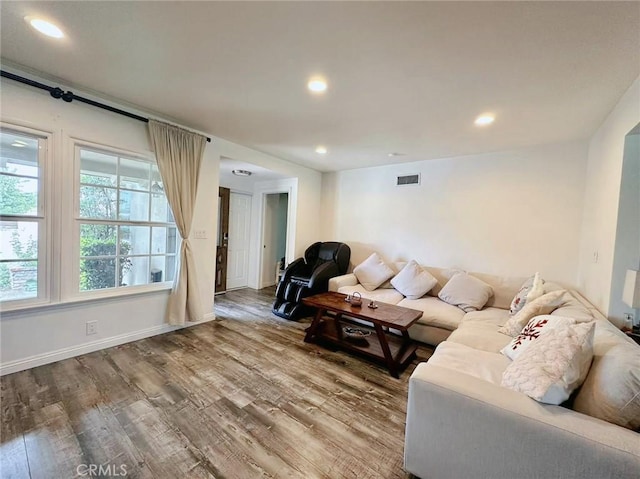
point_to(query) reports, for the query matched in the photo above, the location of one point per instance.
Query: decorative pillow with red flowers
(531, 289)
(532, 331)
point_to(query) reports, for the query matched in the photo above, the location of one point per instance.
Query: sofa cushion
(466, 292)
(435, 312)
(545, 304)
(413, 281)
(573, 308)
(611, 391)
(504, 288)
(494, 316)
(372, 272)
(389, 296)
(481, 335)
(553, 365)
(464, 359)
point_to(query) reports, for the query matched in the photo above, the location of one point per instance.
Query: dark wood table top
(388, 315)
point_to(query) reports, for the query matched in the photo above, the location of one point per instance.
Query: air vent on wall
(407, 180)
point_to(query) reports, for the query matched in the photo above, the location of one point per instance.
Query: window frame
(71, 235)
(44, 219)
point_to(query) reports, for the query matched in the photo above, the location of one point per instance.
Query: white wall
(511, 213)
(37, 336)
(307, 198)
(602, 193)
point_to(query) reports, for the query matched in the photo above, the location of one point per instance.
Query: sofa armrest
(344, 280)
(460, 426)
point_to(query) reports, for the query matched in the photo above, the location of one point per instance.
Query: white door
(239, 236)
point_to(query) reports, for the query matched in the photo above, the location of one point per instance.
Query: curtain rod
(68, 96)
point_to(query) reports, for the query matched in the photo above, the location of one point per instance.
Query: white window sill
(8, 309)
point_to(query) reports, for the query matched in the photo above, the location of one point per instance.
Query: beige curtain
(179, 155)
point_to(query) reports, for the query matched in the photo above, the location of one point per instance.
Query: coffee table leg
(407, 341)
(336, 321)
(391, 364)
(311, 331)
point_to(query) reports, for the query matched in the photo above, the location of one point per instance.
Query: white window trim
(71, 282)
(59, 248)
(45, 213)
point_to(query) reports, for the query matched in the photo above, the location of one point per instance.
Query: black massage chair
(308, 276)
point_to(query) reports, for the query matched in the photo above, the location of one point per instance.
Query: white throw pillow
(545, 304)
(531, 332)
(396, 267)
(531, 289)
(554, 365)
(372, 272)
(413, 281)
(520, 298)
(466, 292)
(537, 288)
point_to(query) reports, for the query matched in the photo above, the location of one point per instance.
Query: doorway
(626, 255)
(239, 240)
(222, 240)
(274, 237)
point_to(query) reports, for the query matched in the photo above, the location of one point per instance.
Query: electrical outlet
(595, 256)
(92, 327)
(628, 318)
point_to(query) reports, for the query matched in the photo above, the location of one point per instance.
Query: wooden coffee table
(393, 350)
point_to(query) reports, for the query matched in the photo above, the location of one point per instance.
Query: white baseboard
(70, 352)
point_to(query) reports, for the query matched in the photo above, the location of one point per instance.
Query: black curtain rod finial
(68, 96)
(56, 93)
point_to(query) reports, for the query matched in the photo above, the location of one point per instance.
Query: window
(127, 234)
(22, 216)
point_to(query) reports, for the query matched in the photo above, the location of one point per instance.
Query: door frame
(222, 250)
(289, 186)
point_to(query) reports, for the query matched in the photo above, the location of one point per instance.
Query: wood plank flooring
(240, 397)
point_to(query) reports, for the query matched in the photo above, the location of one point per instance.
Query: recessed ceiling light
(317, 85)
(321, 150)
(44, 27)
(485, 119)
(241, 172)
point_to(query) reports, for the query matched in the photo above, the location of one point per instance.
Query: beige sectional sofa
(439, 319)
(461, 423)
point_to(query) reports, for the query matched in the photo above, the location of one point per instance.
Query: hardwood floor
(240, 397)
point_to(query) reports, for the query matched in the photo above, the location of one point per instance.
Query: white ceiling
(227, 165)
(405, 77)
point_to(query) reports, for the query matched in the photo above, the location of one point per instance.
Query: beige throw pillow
(466, 292)
(413, 281)
(545, 304)
(554, 365)
(611, 391)
(372, 272)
